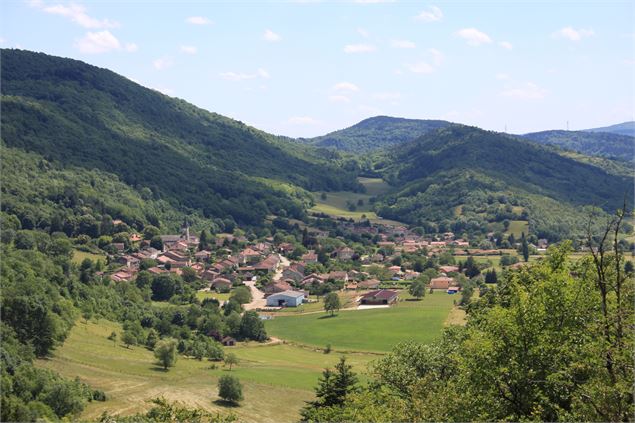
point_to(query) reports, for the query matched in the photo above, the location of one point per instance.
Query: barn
(285, 299)
(381, 297)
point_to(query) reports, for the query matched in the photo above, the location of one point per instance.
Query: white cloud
(420, 67)
(359, 48)
(473, 36)
(573, 34)
(271, 36)
(506, 45)
(240, 76)
(437, 56)
(302, 120)
(345, 86)
(363, 32)
(189, 49)
(98, 42)
(163, 63)
(76, 13)
(198, 20)
(131, 47)
(432, 14)
(339, 99)
(402, 44)
(526, 91)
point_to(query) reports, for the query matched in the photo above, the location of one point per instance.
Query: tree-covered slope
(81, 115)
(625, 128)
(463, 177)
(604, 144)
(376, 133)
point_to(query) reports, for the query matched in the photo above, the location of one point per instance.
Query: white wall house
(285, 299)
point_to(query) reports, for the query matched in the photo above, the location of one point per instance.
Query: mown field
(79, 256)
(517, 227)
(277, 379)
(376, 330)
(336, 203)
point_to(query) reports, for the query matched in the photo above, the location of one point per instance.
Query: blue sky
(307, 68)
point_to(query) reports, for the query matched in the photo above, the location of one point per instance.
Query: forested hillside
(603, 144)
(76, 114)
(463, 177)
(625, 128)
(376, 133)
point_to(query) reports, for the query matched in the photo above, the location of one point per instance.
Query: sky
(305, 68)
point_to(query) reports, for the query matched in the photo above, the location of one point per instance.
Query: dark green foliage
(334, 386)
(165, 353)
(230, 388)
(168, 412)
(417, 289)
(242, 295)
(602, 144)
(625, 128)
(79, 115)
(252, 327)
(332, 302)
(376, 133)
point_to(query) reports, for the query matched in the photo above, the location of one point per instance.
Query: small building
(442, 282)
(368, 284)
(453, 289)
(381, 297)
(285, 299)
(228, 341)
(221, 284)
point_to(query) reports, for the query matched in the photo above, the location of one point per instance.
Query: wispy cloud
(572, 34)
(198, 20)
(473, 36)
(345, 86)
(163, 63)
(506, 45)
(240, 76)
(302, 120)
(359, 48)
(97, 42)
(76, 13)
(526, 91)
(420, 67)
(271, 36)
(364, 33)
(189, 49)
(431, 14)
(402, 44)
(437, 56)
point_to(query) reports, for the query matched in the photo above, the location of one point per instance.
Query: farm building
(381, 297)
(441, 282)
(286, 299)
(221, 284)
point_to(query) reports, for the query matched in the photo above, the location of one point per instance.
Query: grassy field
(347, 299)
(276, 379)
(375, 330)
(201, 295)
(517, 227)
(79, 256)
(374, 186)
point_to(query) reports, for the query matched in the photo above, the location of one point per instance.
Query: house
(221, 284)
(135, 237)
(338, 275)
(285, 299)
(442, 282)
(279, 286)
(249, 256)
(209, 275)
(291, 273)
(119, 246)
(381, 297)
(269, 265)
(228, 341)
(169, 241)
(123, 275)
(345, 253)
(310, 257)
(453, 289)
(368, 284)
(157, 270)
(286, 247)
(448, 269)
(202, 255)
(129, 261)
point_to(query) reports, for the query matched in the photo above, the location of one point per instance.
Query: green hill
(603, 144)
(75, 114)
(491, 177)
(376, 133)
(625, 128)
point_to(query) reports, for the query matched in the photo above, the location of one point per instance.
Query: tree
(242, 295)
(113, 337)
(471, 268)
(231, 359)
(128, 338)
(332, 302)
(417, 289)
(332, 390)
(165, 352)
(491, 276)
(525, 248)
(230, 389)
(252, 327)
(156, 242)
(163, 287)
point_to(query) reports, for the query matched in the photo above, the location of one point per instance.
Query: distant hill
(75, 114)
(603, 144)
(625, 128)
(376, 133)
(463, 177)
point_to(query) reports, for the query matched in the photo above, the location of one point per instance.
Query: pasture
(374, 330)
(79, 256)
(517, 227)
(276, 379)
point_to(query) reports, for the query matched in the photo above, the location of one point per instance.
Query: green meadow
(374, 330)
